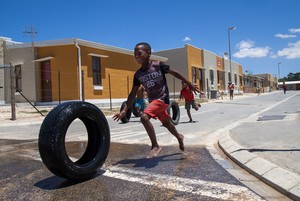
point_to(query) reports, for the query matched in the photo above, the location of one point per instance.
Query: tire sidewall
(52, 140)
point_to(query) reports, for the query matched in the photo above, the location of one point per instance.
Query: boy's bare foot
(180, 140)
(154, 152)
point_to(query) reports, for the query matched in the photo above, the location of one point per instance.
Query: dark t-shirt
(154, 81)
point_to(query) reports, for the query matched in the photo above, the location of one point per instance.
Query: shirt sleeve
(136, 82)
(164, 67)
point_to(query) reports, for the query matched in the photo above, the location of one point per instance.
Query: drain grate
(271, 117)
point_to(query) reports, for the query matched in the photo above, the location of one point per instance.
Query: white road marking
(199, 112)
(122, 135)
(128, 134)
(212, 189)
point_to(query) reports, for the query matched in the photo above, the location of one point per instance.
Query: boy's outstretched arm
(130, 99)
(176, 74)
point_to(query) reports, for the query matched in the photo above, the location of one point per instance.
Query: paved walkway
(267, 146)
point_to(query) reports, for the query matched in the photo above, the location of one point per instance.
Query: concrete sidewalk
(269, 148)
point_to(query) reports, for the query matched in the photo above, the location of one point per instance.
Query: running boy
(188, 96)
(151, 75)
(140, 101)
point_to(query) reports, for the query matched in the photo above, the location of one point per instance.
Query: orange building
(72, 69)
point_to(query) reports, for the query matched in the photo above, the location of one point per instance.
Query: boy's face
(141, 54)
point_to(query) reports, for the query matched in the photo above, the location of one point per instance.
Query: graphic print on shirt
(154, 81)
(150, 79)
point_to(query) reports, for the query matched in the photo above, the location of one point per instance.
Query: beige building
(264, 82)
(204, 68)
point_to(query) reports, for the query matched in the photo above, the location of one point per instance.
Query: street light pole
(278, 71)
(230, 28)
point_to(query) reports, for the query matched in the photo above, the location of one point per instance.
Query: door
(201, 78)
(46, 81)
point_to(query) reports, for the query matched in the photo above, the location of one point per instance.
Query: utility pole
(32, 32)
(13, 91)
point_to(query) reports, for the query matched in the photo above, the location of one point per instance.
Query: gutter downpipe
(79, 69)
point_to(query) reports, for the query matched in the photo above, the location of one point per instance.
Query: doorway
(46, 81)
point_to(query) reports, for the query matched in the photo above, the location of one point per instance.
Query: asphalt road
(194, 174)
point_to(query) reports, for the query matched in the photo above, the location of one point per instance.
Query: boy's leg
(188, 105)
(188, 111)
(154, 110)
(170, 126)
(155, 148)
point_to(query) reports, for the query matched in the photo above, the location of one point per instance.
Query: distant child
(231, 89)
(151, 75)
(188, 96)
(284, 87)
(140, 101)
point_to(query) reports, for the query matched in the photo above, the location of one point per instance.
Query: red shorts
(157, 109)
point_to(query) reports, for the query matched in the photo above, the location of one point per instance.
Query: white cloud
(294, 30)
(186, 39)
(285, 35)
(273, 56)
(248, 49)
(291, 52)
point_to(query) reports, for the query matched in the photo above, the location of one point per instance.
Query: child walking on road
(188, 96)
(231, 90)
(151, 75)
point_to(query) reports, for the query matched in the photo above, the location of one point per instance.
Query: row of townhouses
(75, 69)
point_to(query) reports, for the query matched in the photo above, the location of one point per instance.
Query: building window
(211, 74)
(18, 75)
(194, 75)
(200, 74)
(96, 65)
(235, 79)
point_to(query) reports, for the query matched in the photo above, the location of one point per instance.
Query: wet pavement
(174, 175)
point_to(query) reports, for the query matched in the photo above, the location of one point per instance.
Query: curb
(282, 180)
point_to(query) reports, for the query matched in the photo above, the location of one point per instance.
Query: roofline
(290, 82)
(71, 41)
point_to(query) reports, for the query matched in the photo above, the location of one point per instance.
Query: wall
(117, 68)
(177, 59)
(117, 72)
(210, 63)
(2, 83)
(23, 57)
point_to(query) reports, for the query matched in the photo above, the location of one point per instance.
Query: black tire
(174, 112)
(135, 112)
(52, 135)
(126, 118)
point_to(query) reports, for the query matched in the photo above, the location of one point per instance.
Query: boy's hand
(119, 116)
(194, 88)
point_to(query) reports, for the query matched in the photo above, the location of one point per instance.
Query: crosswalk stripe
(130, 133)
(218, 190)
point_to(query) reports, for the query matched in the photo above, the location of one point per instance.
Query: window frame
(18, 78)
(96, 69)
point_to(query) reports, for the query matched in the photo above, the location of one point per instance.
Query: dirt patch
(29, 113)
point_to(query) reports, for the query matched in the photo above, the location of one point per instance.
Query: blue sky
(267, 31)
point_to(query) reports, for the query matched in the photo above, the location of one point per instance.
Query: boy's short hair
(144, 44)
